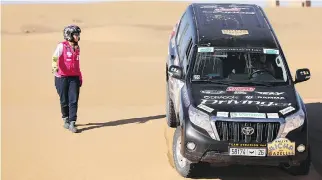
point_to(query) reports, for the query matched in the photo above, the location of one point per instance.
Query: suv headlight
(201, 120)
(293, 121)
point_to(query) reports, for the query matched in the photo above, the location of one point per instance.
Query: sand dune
(121, 111)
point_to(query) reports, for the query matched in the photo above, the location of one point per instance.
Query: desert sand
(122, 101)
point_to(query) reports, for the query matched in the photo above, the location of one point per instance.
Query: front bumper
(217, 152)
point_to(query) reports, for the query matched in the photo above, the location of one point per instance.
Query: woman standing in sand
(68, 77)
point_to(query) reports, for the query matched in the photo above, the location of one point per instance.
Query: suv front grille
(232, 131)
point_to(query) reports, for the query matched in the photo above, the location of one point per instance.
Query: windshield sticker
(221, 55)
(247, 115)
(238, 49)
(222, 114)
(206, 108)
(234, 32)
(238, 12)
(208, 6)
(220, 97)
(270, 93)
(248, 89)
(212, 92)
(196, 77)
(287, 110)
(270, 51)
(244, 102)
(206, 49)
(222, 9)
(265, 97)
(272, 115)
(227, 10)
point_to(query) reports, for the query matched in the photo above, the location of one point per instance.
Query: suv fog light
(191, 145)
(301, 148)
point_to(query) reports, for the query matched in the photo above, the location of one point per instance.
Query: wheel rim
(181, 160)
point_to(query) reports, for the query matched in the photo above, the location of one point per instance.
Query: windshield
(239, 65)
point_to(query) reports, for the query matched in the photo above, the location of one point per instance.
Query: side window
(182, 45)
(181, 28)
(189, 49)
(186, 55)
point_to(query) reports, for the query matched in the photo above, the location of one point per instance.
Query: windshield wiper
(222, 82)
(233, 82)
(267, 84)
(214, 81)
(277, 83)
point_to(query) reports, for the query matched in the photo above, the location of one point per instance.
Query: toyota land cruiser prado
(230, 93)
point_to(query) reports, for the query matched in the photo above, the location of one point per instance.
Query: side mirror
(175, 71)
(303, 74)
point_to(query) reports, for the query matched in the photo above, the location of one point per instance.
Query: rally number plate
(247, 152)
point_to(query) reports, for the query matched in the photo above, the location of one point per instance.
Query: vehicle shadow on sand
(236, 172)
(239, 172)
(315, 134)
(118, 122)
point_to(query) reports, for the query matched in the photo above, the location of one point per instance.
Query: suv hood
(245, 99)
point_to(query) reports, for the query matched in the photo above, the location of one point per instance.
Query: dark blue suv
(230, 93)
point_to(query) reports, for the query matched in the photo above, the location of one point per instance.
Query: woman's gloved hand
(54, 69)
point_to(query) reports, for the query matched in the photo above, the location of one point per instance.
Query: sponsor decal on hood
(244, 98)
(220, 97)
(206, 108)
(272, 115)
(287, 110)
(212, 92)
(265, 97)
(269, 93)
(240, 92)
(222, 114)
(244, 102)
(234, 32)
(245, 89)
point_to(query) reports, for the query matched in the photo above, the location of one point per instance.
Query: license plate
(247, 152)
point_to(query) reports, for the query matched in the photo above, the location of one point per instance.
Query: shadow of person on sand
(118, 122)
(239, 172)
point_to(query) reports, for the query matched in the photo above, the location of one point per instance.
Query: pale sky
(259, 2)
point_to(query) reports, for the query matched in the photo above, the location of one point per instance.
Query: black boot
(66, 122)
(72, 127)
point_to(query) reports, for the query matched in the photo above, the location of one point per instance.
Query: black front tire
(170, 112)
(183, 166)
(300, 170)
